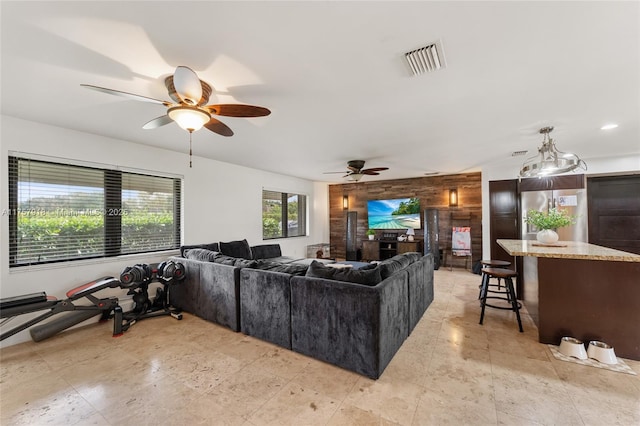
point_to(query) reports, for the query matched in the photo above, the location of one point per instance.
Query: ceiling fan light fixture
(189, 118)
(550, 161)
(355, 176)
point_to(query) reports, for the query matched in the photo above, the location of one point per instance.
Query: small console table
(384, 249)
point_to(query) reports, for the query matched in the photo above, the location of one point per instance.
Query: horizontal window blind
(60, 212)
(148, 213)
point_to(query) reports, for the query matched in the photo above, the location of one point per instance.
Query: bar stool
(490, 263)
(506, 275)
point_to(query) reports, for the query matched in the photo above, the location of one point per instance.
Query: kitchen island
(581, 290)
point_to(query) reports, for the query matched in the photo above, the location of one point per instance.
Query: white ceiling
(334, 77)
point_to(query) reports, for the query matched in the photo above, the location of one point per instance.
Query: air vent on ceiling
(518, 153)
(426, 59)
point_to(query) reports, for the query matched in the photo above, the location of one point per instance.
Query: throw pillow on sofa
(368, 277)
(210, 246)
(201, 254)
(236, 249)
(266, 251)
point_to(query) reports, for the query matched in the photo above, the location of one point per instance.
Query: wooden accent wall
(433, 192)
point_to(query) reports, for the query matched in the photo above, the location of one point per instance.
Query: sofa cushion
(413, 256)
(390, 266)
(266, 251)
(210, 246)
(225, 260)
(245, 263)
(291, 269)
(201, 254)
(265, 265)
(369, 277)
(236, 249)
(368, 266)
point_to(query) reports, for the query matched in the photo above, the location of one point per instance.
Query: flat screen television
(399, 213)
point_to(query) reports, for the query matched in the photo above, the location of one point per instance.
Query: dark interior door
(504, 221)
(614, 212)
(503, 206)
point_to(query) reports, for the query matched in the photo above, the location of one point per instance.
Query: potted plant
(547, 223)
(371, 233)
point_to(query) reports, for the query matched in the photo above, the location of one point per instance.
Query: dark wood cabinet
(385, 249)
(553, 182)
(370, 250)
(409, 246)
(614, 212)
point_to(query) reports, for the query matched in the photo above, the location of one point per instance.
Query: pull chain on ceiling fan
(188, 109)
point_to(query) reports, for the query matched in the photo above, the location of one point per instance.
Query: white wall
(510, 168)
(221, 202)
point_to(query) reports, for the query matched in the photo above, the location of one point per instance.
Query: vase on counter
(547, 236)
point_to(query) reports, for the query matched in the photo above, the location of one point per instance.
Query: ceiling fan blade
(218, 127)
(157, 122)
(238, 110)
(331, 173)
(368, 172)
(375, 169)
(126, 95)
(187, 85)
(353, 169)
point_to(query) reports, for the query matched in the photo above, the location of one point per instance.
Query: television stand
(385, 249)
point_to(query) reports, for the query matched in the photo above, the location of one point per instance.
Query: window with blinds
(283, 215)
(61, 212)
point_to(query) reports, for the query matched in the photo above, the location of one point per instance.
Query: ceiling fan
(189, 108)
(356, 170)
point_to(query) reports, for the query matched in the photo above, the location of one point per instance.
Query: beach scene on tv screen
(400, 213)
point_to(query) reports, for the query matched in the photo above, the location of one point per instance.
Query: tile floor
(449, 371)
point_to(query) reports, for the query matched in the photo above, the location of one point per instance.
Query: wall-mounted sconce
(453, 197)
(345, 202)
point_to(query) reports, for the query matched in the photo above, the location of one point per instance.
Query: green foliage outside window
(277, 223)
(53, 233)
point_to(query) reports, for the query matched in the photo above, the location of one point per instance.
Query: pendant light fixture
(549, 160)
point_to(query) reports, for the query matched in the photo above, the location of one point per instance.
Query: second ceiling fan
(357, 171)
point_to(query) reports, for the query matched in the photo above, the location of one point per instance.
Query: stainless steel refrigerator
(573, 201)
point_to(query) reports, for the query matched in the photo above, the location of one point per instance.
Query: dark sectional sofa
(355, 319)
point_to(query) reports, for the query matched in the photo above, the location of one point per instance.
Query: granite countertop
(570, 250)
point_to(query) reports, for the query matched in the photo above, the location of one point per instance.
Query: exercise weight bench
(13, 307)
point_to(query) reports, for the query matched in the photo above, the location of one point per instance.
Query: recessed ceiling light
(609, 126)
